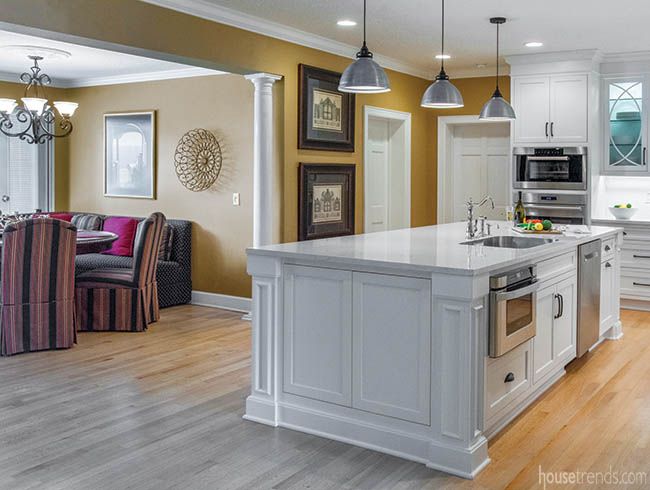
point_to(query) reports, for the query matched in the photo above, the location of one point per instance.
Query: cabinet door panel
(569, 109)
(606, 293)
(531, 104)
(318, 333)
(392, 346)
(543, 340)
(564, 327)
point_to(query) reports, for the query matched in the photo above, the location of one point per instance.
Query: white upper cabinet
(625, 125)
(532, 107)
(568, 109)
(551, 109)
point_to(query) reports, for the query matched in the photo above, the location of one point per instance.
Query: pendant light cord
(442, 64)
(498, 57)
(364, 23)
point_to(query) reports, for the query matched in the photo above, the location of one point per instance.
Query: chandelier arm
(44, 134)
(22, 116)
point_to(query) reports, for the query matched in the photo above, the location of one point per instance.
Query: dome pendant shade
(442, 94)
(497, 108)
(364, 76)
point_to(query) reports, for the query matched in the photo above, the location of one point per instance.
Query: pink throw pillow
(125, 229)
(62, 216)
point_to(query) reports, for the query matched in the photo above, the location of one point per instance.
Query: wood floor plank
(162, 410)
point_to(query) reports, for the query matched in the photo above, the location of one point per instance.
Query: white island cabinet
(381, 340)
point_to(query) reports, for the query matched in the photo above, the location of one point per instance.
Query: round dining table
(90, 241)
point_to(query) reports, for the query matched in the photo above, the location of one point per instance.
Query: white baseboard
(223, 301)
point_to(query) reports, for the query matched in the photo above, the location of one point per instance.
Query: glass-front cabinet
(625, 116)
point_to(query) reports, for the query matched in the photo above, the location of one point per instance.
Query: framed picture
(129, 154)
(326, 201)
(326, 116)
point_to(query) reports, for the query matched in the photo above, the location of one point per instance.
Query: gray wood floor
(162, 410)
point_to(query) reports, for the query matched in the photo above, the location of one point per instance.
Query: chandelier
(34, 121)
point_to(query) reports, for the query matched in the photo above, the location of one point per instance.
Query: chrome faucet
(472, 224)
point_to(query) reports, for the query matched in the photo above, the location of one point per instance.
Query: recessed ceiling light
(534, 44)
(346, 23)
(443, 56)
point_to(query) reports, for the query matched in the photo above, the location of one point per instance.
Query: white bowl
(623, 213)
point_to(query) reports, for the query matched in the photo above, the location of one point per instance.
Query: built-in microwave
(550, 168)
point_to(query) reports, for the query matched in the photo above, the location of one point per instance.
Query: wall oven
(513, 315)
(550, 168)
(560, 208)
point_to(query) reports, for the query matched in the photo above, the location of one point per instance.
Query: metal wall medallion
(198, 160)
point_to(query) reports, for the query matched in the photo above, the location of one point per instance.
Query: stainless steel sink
(510, 241)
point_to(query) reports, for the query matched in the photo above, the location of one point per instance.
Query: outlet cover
(235, 198)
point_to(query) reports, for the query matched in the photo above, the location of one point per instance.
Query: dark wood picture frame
(334, 181)
(336, 133)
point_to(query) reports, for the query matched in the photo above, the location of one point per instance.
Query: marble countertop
(636, 220)
(431, 248)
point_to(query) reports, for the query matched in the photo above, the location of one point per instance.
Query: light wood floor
(163, 410)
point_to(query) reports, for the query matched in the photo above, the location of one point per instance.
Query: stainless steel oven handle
(545, 206)
(548, 159)
(517, 293)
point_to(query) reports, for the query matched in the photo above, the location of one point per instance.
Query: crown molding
(120, 79)
(629, 57)
(234, 18)
(591, 55)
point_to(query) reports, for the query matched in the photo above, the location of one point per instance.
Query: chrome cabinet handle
(641, 256)
(645, 156)
(557, 298)
(552, 135)
(641, 284)
(546, 129)
(607, 264)
(607, 248)
(510, 377)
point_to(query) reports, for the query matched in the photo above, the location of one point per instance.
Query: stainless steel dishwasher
(588, 296)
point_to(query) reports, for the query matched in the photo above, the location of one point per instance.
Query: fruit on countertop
(539, 227)
(547, 224)
(628, 205)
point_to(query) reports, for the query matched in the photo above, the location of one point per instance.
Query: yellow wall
(142, 28)
(220, 104)
(61, 189)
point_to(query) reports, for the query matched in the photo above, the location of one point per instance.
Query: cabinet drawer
(500, 393)
(635, 258)
(635, 283)
(608, 248)
(556, 266)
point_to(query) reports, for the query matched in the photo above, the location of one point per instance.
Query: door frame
(446, 126)
(405, 118)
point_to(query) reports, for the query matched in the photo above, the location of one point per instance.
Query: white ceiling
(407, 32)
(87, 66)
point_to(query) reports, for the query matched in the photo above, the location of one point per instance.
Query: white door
(387, 175)
(568, 109)
(392, 346)
(480, 167)
(20, 176)
(565, 325)
(531, 104)
(377, 175)
(318, 333)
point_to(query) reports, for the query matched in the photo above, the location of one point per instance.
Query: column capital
(269, 78)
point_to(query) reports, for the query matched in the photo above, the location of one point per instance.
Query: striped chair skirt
(37, 307)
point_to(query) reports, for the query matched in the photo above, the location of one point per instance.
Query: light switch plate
(235, 198)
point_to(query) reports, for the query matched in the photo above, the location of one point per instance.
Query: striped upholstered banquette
(38, 286)
(124, 299)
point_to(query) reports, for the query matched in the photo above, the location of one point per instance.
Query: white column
(263, 159)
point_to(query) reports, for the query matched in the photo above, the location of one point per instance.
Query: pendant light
(442, 94)
(497, 107)
(364, 76)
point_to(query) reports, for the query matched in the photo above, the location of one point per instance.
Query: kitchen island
(381, 340)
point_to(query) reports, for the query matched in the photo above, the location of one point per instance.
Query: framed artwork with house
(129, 154)
(325, 115)
(326, 200)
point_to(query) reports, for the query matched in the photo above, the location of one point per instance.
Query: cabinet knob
(607, 248)
(510, 377)
(607, 264)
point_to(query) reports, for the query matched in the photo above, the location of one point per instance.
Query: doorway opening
(473, 161)
(387, 169)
